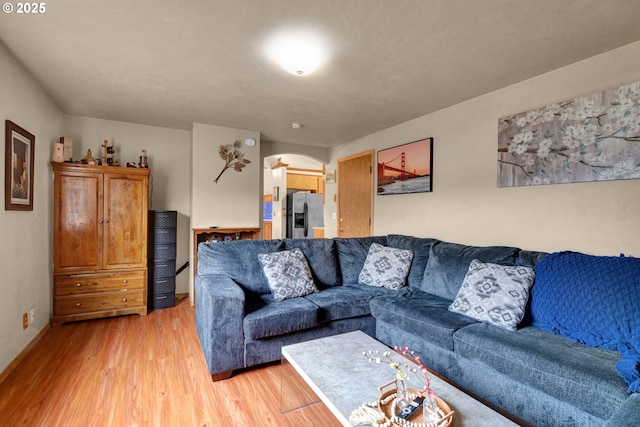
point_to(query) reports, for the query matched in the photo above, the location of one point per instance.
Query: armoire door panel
(77, 229)
(125, 221)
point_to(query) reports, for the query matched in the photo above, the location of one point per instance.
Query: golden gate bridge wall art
(406, 168)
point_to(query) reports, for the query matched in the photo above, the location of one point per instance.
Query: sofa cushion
(288, 274)
(351, 254)
(342, 302)
(266, 318)
(322, 257)
(386, 267)
(584, 376)
(421, 314)
(238, 260)
(493, 293)
(420, 247)
(593, 300)
(449, 262)
(530, 258)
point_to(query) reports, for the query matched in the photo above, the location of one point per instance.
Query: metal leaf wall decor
(233, 158)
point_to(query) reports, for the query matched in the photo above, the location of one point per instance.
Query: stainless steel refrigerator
(304, 211)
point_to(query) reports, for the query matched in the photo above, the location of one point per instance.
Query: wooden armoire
(99, 241)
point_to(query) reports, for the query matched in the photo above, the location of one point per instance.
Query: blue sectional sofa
(537, 375)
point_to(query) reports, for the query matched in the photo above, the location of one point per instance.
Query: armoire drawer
(98, 282)
(99, 301)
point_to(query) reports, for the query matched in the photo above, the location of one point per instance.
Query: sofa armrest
(627, 415)
(219, 316)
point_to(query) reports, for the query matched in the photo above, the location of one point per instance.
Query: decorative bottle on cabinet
(162, 258)
(100, 241)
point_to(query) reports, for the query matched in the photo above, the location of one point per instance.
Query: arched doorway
(285, 174)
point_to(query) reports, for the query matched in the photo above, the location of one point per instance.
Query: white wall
(467, 207)
(274, 148)
(236, 199)
(26, 251)
(279, 207)
(169, 153)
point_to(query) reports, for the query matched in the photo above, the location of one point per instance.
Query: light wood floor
(140, 371)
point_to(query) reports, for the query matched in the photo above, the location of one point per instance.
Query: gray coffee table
(334, 371)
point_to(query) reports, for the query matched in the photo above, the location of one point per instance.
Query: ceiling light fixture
(296, 125)
(300, 52)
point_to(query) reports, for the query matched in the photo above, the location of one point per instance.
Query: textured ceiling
(171, 63)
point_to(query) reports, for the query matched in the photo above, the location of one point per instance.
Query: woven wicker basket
(388, 408)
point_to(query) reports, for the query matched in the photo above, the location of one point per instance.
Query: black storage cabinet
(162, 259)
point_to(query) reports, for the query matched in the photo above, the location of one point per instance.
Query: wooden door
(267, 224)
(267, 230)
(355, 195)
(125, 221)
(77, 213)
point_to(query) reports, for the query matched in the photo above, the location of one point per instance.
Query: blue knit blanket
(592, 300)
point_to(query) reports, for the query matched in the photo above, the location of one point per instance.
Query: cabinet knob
(125, 290)
(125, 281)
(100, 221)
(77, 304)
(124, 300)
(106, 221)
(78, 285)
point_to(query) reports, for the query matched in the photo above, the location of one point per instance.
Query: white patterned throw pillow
(495, 294)
(288, 274)
(386, 267)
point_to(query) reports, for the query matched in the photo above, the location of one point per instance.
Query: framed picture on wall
(331, 176)
(406, 168)
(18, 171)
(585, 139)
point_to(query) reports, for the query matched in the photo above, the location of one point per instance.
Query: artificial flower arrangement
(403, 370)
(432, 415)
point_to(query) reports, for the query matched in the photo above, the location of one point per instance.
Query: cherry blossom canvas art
(592, 138)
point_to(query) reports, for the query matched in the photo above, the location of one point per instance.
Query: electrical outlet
(32, 315)
(25, 321)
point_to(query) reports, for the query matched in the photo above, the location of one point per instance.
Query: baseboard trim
(15, 362)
